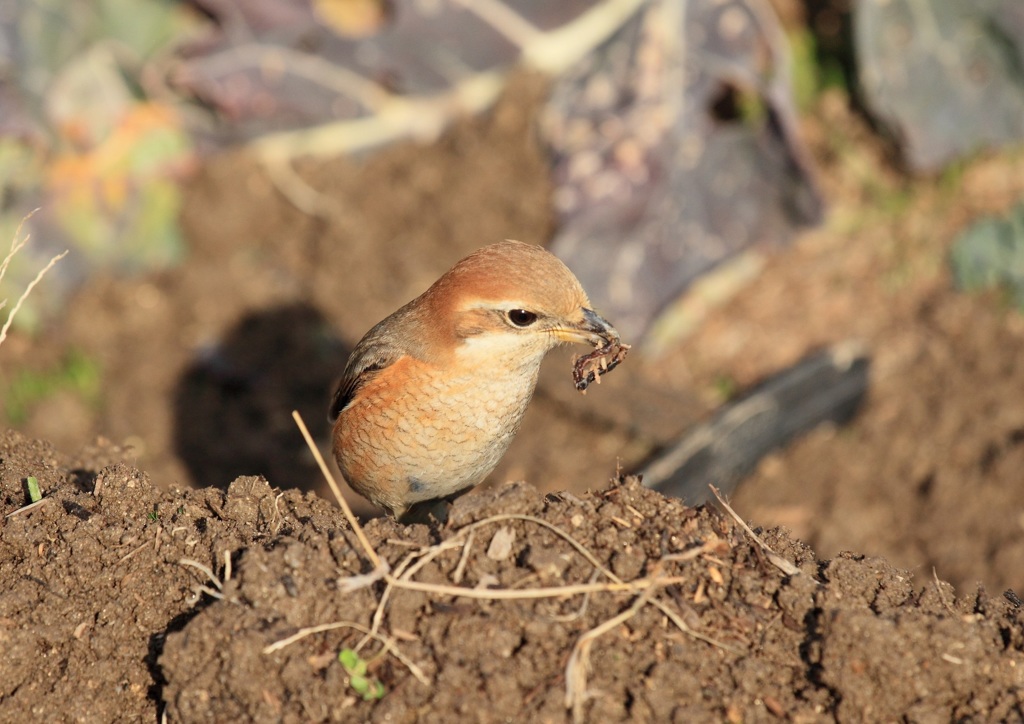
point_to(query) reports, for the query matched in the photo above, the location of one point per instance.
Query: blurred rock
(946, 77)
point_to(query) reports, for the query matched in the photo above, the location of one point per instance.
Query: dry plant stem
(132, 553)
(378, 565)
(404, 569)
(578, 667)
(385, 641)
(204, 569)
(580, 548)
(509, 594)
(690, 554)
(200, 589)
(685, 628)
(938, 591)
(778, 561)
(427, 555)
(400, 579)
(460, 569)
(578, 614)
(16, 246)
(298, 192)
(26, 508)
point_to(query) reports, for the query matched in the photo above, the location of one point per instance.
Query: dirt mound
(124, 602)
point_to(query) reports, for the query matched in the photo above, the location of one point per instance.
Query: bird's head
(512, 300)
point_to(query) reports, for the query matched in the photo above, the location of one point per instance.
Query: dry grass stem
(389, 645)
(578, 613)
(460, 569)
(578, 667)
(378, 565)
(400, 578)
(580, 548)
(26, 508)
(17, 244)
(130, 554)
(510, 594)
(408, 567)
(778, 561)
(204, 568)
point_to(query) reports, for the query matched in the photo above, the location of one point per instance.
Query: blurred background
(246, 187)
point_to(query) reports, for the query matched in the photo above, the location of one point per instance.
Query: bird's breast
(427, 431)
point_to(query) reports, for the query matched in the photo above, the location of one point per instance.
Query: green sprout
(32, 485)
(356, 668)
(153, 515)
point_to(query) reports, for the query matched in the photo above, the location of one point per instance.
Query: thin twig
(26, 508)
(578, 667)
(28, 290)
(778, 561)
(938, 591)
(385, 641)
(510, 594)
(205, 569)
(578, 614)
(460, 569)
(132, 553)
(378, 564)
(685, 628)
(580, 548)
(405, 569)
(17, 243)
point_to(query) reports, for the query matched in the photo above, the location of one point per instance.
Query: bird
(432, 396)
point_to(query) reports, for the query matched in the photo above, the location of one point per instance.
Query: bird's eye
(521, 317)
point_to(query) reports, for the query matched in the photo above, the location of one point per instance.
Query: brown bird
(432, 396)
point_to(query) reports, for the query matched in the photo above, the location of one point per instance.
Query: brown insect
(589, 367)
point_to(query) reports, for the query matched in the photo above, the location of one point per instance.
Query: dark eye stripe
(521, 317)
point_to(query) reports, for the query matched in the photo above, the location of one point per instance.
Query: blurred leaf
(79, 140)
(144, 26)
(88, 98)
(120, 201)
(990, 254)
(51, 33)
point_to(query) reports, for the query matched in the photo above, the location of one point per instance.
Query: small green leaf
(34, 494)
(356, 668)
(359, 684)
(349, 659)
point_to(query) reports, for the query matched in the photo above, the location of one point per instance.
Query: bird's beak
(590, 329)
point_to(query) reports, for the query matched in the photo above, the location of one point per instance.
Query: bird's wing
(368, 358)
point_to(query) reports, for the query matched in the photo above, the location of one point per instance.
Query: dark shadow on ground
(233, 405)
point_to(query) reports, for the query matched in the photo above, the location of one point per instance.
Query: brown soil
(201, 366)
(109, 614)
